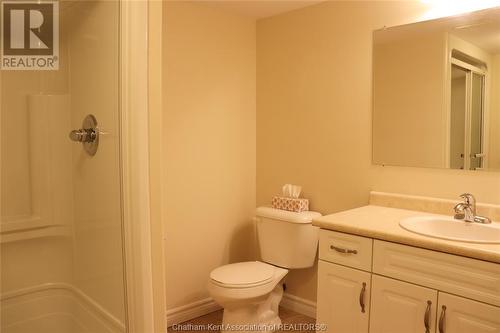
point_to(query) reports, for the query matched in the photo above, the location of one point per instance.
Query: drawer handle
(362, 298)
(442, 319)
(342, 250)
(427, 317)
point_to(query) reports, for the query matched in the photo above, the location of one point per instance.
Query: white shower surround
(62, 307)
(55, 308)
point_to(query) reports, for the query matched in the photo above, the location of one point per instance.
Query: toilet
(250, 292)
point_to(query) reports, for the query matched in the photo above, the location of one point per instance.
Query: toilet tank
(287, 239)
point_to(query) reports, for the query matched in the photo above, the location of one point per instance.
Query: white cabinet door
(461, 315)
(400, 307)
(343, 298)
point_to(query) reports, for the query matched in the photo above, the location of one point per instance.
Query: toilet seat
(243, 274)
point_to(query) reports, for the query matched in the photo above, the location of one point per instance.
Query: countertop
(383, 223)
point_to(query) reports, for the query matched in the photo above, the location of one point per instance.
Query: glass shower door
(467, 118)
(477, 121)
(458, 109)
(62, 264)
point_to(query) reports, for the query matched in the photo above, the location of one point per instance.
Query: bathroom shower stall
(66, 181)
(468, 123)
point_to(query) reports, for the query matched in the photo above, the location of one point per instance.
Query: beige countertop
(383, 223)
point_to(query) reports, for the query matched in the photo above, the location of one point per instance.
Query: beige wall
(209, 144)
(314, 90)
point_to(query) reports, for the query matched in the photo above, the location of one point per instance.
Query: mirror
(436, 93)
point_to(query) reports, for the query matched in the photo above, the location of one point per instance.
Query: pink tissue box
(290, 204)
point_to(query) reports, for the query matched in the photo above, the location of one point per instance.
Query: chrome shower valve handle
(88, 135)
(83, 135)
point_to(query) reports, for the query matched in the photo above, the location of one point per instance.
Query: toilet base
(260, 316)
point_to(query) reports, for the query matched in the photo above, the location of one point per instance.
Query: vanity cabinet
(461, 315)
(344, 298)
(402, 307)
(403, 288)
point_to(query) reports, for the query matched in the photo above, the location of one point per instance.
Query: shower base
(54, 308)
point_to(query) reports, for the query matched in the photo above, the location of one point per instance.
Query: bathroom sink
(451, 229)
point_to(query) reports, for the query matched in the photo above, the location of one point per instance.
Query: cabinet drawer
(471, 278)
(346, 249)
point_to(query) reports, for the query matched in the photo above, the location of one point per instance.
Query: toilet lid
(250, 273)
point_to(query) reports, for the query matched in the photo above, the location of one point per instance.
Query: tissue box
(291, 204)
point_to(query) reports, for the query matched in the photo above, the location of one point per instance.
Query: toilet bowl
(250, 293)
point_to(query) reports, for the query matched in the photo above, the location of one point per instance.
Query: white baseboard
(299, 305)
(186, 312)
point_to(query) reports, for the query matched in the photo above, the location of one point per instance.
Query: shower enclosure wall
(62, 232)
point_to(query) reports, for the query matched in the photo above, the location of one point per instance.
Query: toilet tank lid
(286, 216)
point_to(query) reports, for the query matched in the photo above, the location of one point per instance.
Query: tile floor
(299, 323)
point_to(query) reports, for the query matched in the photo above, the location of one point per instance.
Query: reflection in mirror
(436, 93)
(467, 121)
(458, 103)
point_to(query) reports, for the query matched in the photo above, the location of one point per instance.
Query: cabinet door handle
(442, 319)
(427, 317)
(362, 298)
(342, 250)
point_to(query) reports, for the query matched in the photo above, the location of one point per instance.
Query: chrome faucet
(466, 210)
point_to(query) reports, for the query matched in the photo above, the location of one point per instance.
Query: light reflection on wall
(443, 8)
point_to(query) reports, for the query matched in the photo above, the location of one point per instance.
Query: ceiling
(481, 28)
(260, 8)
(485, 34)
